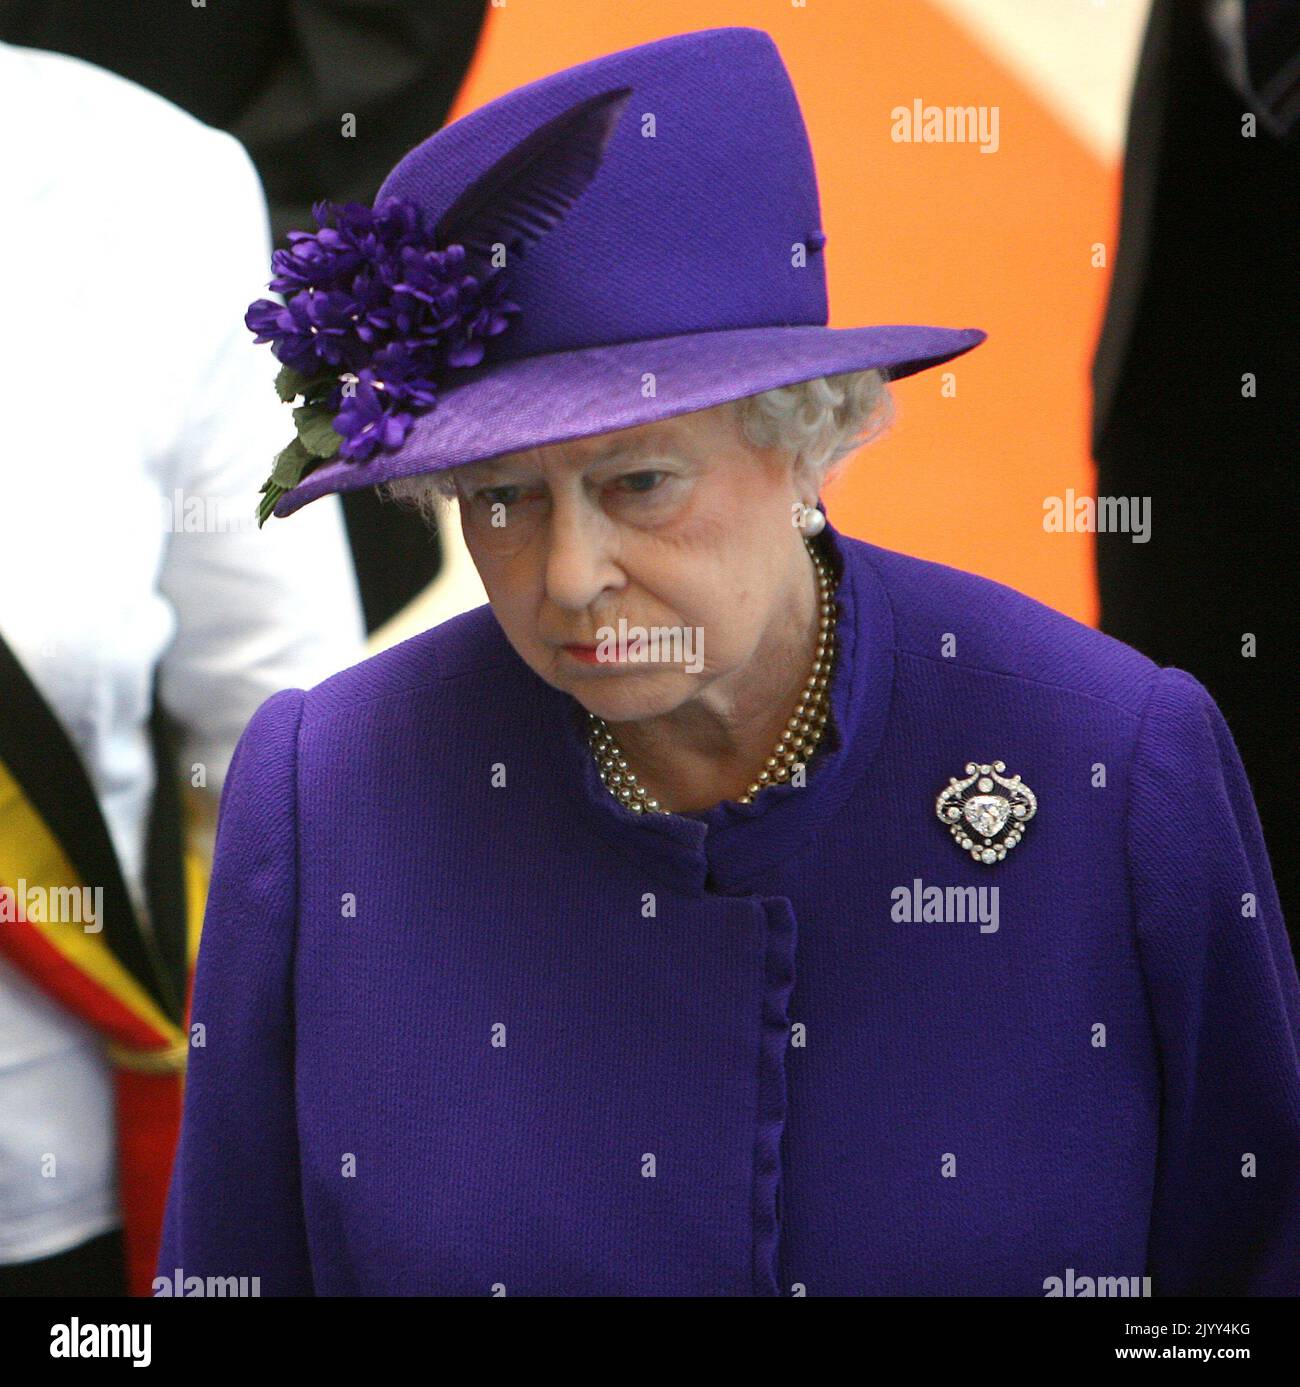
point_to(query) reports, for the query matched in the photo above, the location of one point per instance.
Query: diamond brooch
(987, 812)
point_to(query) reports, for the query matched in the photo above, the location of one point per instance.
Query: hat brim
(506, 407)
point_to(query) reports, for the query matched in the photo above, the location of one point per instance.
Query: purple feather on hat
(379, 308)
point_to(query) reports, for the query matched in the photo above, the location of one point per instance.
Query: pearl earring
(811, 521)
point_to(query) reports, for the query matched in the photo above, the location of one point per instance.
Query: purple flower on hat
(369, 420)
(379, 306)
(375, 411)
(400, 373)
(483, 314)
(375, 312)
(370, 279)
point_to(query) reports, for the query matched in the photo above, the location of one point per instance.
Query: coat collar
(727, 847)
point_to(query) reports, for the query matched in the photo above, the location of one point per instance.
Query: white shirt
(133, 239)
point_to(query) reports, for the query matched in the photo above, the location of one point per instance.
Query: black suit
(1204, 294)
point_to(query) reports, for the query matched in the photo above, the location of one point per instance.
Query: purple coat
(471, 1027)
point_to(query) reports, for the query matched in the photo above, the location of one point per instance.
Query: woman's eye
(497, 495)
(643, 483)
(639, 483)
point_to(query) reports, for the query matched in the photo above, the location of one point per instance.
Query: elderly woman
(730, 906)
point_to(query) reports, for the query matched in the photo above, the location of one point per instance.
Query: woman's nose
(579, 561)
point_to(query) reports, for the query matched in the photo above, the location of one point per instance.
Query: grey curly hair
(820, 422)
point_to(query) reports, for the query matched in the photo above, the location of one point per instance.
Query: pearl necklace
(797, 743)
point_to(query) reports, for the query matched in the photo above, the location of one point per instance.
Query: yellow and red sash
(128, 978)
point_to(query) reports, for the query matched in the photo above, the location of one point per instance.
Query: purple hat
(654, 216)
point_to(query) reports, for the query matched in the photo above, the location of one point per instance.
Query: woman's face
(680, 525)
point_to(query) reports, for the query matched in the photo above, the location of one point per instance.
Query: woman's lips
(585, 653)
